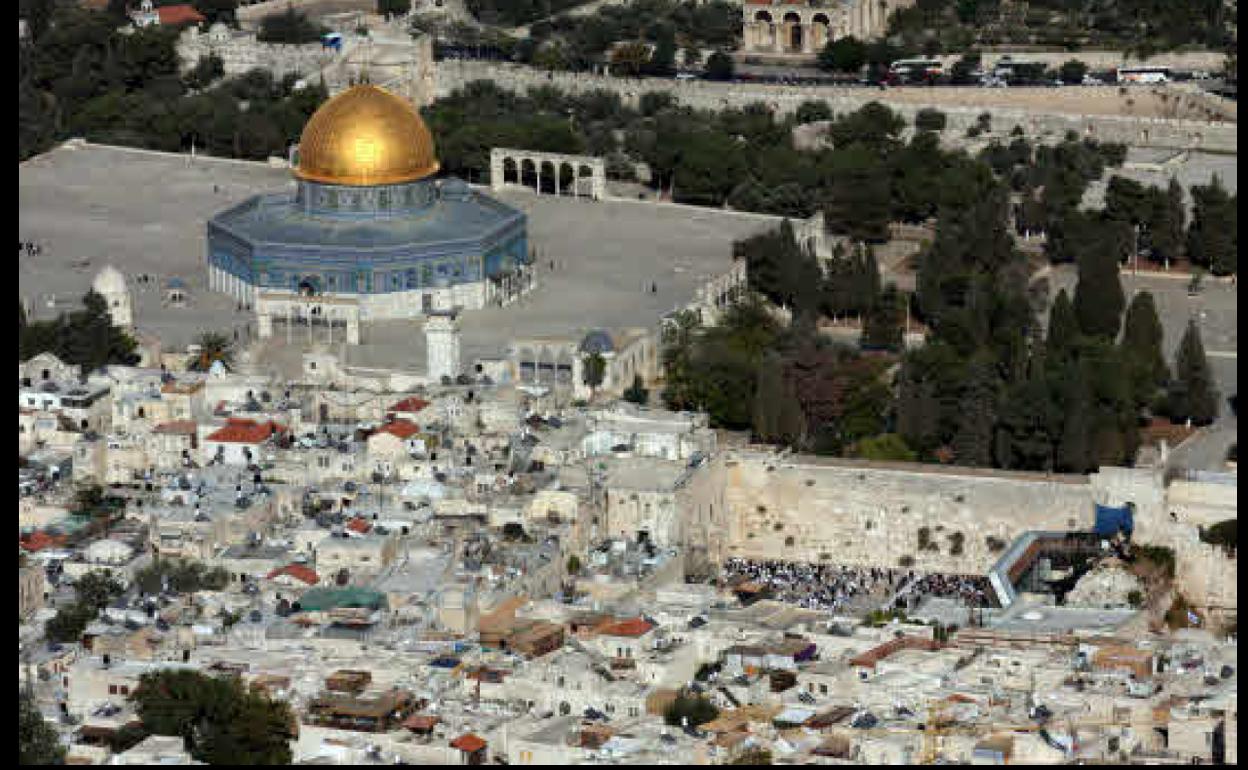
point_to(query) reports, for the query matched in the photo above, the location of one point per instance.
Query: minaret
(442, 345)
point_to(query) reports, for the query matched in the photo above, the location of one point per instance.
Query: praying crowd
(816, 586)
(839, 588)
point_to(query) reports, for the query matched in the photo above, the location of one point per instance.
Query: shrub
(1158, 556)
(995, 544)
(1224, 533)
(1135, 599)
(906, 561)
(955, 543)
(929, 119)
(697, 709)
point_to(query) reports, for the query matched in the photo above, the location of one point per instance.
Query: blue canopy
(1111, 520)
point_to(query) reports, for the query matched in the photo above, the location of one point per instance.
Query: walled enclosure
(1135, 131)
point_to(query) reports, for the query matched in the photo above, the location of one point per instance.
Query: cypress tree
(1074, 447)
(1192, 394)
(1063, 329)
(1099, 300)
(1213, 237)
(1141, 349)
(1024, 438)
(977, 412)
(883, 327)
(1166, 224)
(918, 410)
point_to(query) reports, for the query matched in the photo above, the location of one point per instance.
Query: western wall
(1099, 117)
(856, 512)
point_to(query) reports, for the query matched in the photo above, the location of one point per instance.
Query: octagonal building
(367, 223)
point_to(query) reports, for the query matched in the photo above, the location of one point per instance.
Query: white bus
(1143, 74)
(916, 67)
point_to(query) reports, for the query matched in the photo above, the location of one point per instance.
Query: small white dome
(109, 281)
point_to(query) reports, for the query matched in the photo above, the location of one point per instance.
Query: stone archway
(547, 179)
(820, 31)
(793, 32)
(528, 173)
(549, 172)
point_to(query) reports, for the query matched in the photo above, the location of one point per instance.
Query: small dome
(109, 281)
(597, 341)
(366, 136)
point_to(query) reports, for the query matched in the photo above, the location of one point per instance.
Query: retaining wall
(1135, 131)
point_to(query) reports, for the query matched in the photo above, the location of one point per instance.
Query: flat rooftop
(145, 212)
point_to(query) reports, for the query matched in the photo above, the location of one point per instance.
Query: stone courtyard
(144, 212)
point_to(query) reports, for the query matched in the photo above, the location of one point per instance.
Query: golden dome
(366, 136)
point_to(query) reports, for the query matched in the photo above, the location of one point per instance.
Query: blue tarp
(1109, 520)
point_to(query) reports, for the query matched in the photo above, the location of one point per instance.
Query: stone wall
(1136, 131)
(766, 505)
(241, 52)
(849, 512)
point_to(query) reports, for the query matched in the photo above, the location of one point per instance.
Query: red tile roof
(421, 722)
(38, 540)
(874, 655)
(242, 431)
(179, 14)
(184, 427)
(468, 743)
(412, 404)
(401, 428)
(359, 525)
(298, 572)
(626, 627)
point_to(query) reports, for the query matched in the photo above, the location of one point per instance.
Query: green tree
(883, 328)
(1074, 448)
(214, 11)
(96, 589)
(37, 741)
(1099, 300)
(845, 54)
(393, 7)
(1072, 71)
(637, 392)
(859, 200)
(694, 709)
(777, 414)
(1027, 424)
(1192, 395)
(1213, 238)
(221, 721)
(1063, 334)
(977, 407)
(207, 70)
(812, 110)
(885, 447)
(213, 347)
(1167, 222)
(720, 66)
(289, 26)
(929, 119)
(594, 369)
(1141, 348)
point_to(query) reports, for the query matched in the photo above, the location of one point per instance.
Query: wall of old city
(959, 105)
